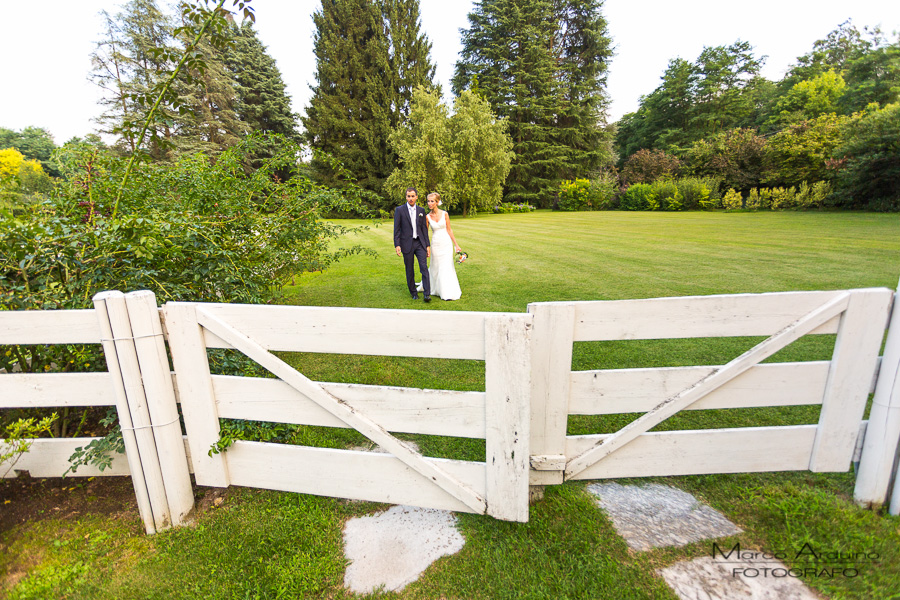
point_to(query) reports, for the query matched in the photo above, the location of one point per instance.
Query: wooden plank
(638, 390)
(49, 327)
(342, 410)
(136, 405)
(876, 464)
(551, 365)
(129, 437)
(855, 355)
(719, 377)
(48, 390)
(739, 450)
(357, 475)
(696, 316)
(49, 457)
(507, 415)
(369, 331)
(156, 377)
(408, 410)
(195, 390)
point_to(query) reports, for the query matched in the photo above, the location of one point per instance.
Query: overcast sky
(46, 46)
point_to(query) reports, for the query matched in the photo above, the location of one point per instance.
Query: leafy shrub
(732, 200)
(575, 195)
(783, 197)
(192, 230)
(812, 196)
(637, 197)
(664, 195)
(753, 200)
(698, 192)
(509, 207)
(604, 191)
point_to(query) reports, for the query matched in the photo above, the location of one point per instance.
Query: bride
(443, 245)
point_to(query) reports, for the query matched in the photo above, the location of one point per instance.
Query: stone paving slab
(655, 516)
(708, 579)
(393, 548)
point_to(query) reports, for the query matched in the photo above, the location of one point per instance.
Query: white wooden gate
(530, 391)
(840, 385)
(500, 414)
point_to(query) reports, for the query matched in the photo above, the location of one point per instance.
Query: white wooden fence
(530, 391)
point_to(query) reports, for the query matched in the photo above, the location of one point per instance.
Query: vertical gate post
(877, 463)
(198, 401)
(160, 392)
(131, 405)
(551, 374)
(853, 364)
(507, 409)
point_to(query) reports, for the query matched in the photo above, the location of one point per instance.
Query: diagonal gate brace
(707, 384)
(343, 411)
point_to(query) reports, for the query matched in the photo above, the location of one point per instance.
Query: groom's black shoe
(427, 298)
(415, 296)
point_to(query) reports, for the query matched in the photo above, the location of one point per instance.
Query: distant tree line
(833, 118)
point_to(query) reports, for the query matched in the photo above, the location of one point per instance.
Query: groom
(411, 240)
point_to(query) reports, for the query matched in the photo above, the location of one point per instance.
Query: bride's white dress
(442, 270)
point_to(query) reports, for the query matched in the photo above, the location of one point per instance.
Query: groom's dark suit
(413, 247)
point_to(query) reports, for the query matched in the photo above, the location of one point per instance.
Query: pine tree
(541, 64)
(362, 88)
(262, 102)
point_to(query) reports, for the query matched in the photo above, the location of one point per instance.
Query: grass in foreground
(263, 544)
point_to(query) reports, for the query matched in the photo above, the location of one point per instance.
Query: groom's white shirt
(412, 218)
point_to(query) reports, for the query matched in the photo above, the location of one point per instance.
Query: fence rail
(530, 391)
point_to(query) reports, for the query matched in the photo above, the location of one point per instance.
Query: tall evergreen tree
(542, 65)
(369, 58)
(209, 122)
(583, 49)
(262, 101)
(410, 54)
(127, 63)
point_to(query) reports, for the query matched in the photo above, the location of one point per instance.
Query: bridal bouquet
(461, 256)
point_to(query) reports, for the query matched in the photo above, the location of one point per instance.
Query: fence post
(877, 463)
(853, 364)
(156, 375)
(507, 412)
(131, 404)
(551, 374)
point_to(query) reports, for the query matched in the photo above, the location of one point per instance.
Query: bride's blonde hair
(436, 195)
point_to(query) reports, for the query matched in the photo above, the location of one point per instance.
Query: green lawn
(263, 544)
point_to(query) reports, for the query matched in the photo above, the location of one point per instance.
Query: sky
(47, 45)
